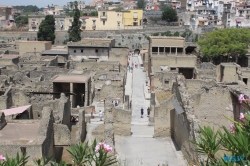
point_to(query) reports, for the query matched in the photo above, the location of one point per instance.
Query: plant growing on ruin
(79, 154)
(75, 31)
(46, 30)
(235, 141)
(42, 161)
(169, 14)
(19, 160)
(83, 154)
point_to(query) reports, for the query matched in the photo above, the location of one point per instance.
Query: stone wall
(61, 135)
(119, 55)
(122, 121)
(212, 104)
(81, 127)
(193, 85)
(2, 120)
(46, 133)
(173, 61)
(162, 118)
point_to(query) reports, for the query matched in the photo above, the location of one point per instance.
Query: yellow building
(132, 17)
(113, 20)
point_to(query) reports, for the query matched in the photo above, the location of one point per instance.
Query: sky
(39, 3)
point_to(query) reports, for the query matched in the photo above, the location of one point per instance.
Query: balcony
(135, 16)
(104, 17)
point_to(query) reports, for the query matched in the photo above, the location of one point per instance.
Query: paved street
(141, 149)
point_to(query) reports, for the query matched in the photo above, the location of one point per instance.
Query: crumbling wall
(81, 127)
(6, 99)
(193, 85)
(122, 121)
(61, 135)
(185, 121)
(46, 132)
(162, 118)
(120, 55)
(212, 104)
(2, 120)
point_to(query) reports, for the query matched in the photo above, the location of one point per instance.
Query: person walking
(142, 111)
(130, 104)
(148, 110)
(92, 113)
(100, 115)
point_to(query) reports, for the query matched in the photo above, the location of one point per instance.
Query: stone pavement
(141, 149)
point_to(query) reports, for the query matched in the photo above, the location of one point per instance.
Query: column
(71, 96)
(164, 51)
(170, 50)
(176, 51)
(158, 50)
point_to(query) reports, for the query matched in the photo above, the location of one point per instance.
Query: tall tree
(141, 4)
(75, 31)
(169, 14)
(47, 29)
(228, 42)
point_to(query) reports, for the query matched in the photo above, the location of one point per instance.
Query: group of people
(142, 112)
(93, 111)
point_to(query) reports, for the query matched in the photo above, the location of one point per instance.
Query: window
(103, 13)
(103, 23)
(117, 15)
(81, 51)
(96, 50)
(74, 51)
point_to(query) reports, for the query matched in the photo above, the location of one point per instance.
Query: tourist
(148, 110)
(92, 113)
(142, 111)
(132, 64)
(130, 104)
(100, 115)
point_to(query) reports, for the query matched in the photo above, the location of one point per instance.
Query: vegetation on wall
(46, 30)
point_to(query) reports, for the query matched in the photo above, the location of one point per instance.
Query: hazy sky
(39, 3)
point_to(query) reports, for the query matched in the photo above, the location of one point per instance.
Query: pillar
(71, 96)
(158, 50)
(176, 50)
(170, 50)
(164, 51)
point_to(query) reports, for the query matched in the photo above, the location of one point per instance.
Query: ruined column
(158, 50)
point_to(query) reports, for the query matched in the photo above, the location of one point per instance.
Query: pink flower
(97, 148)
(2, 158)
(231, 128)
(242, 117)
(103, 146)
(241, 98)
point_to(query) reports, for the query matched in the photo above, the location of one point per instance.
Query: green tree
(228, 42)
(93, 13)
(21, 20)
(141, 4)
(47, 29)
(75, 31)
(169, 14)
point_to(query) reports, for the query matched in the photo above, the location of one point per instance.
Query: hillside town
(127, 83)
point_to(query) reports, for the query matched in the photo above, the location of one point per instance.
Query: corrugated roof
(13, 111)
(178, 108)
